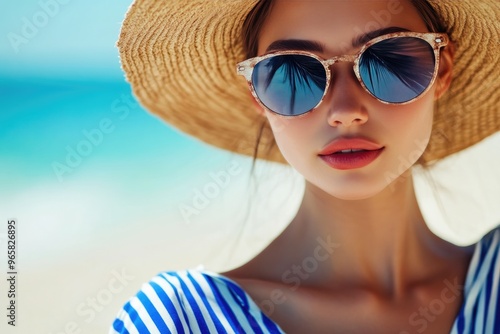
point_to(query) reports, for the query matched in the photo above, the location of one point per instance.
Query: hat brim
(180, 58)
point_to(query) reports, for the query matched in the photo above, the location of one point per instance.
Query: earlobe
(445, 73)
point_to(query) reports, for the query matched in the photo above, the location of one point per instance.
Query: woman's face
(348, 110)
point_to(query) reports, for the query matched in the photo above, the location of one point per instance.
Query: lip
(332, 156)
(343, 143)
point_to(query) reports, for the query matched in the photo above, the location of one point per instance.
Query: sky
(60, 39)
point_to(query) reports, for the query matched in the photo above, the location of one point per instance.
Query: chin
(354, 195)
(351, 190)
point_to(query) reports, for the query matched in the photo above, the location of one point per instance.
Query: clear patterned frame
(435, 40)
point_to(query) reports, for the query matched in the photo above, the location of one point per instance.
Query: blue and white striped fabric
(199, 301)
(192, 301)
(480, 312)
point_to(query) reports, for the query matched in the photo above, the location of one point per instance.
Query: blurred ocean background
(106, 195)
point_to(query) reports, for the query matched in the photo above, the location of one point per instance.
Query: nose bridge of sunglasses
(338, 59)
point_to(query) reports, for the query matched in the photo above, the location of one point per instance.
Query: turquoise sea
(96, 184)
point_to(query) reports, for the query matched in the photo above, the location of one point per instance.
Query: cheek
(417, 118)
(293, 136)
(409, 128)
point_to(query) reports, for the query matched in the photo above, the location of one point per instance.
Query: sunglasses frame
(435, 40)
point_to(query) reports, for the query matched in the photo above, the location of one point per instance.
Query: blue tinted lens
(397, 70)
(289, 84)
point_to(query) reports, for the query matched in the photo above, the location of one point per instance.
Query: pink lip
(357, 143)
(334, 158)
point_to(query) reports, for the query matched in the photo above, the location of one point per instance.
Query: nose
(345, 98)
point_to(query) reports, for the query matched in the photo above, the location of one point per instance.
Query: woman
(347, 90)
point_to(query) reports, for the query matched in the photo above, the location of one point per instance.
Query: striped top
(199, 301)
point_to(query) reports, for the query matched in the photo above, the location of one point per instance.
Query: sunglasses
(395, 68)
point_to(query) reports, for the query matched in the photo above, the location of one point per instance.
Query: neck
(384, 243)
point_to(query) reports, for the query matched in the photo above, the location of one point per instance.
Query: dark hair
(250, 36)
(431, 19)
(255, 19)
(257, 16)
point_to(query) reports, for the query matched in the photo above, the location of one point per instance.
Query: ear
(445, 72)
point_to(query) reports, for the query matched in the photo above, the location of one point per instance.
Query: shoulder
(486, 255)
(187, 301)
(481, 305)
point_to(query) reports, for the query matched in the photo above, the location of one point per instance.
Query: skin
(386, 265)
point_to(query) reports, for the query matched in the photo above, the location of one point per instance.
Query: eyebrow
(363, 38)
(295, 44)
(315, 46)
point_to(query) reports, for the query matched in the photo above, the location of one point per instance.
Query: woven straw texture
(180, 58)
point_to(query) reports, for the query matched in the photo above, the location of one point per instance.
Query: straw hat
(180, 58)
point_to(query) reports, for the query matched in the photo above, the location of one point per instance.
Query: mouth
(351, 158)
(353, 145)
(348, 151)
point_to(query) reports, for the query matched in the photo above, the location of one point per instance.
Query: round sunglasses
(395, 68)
